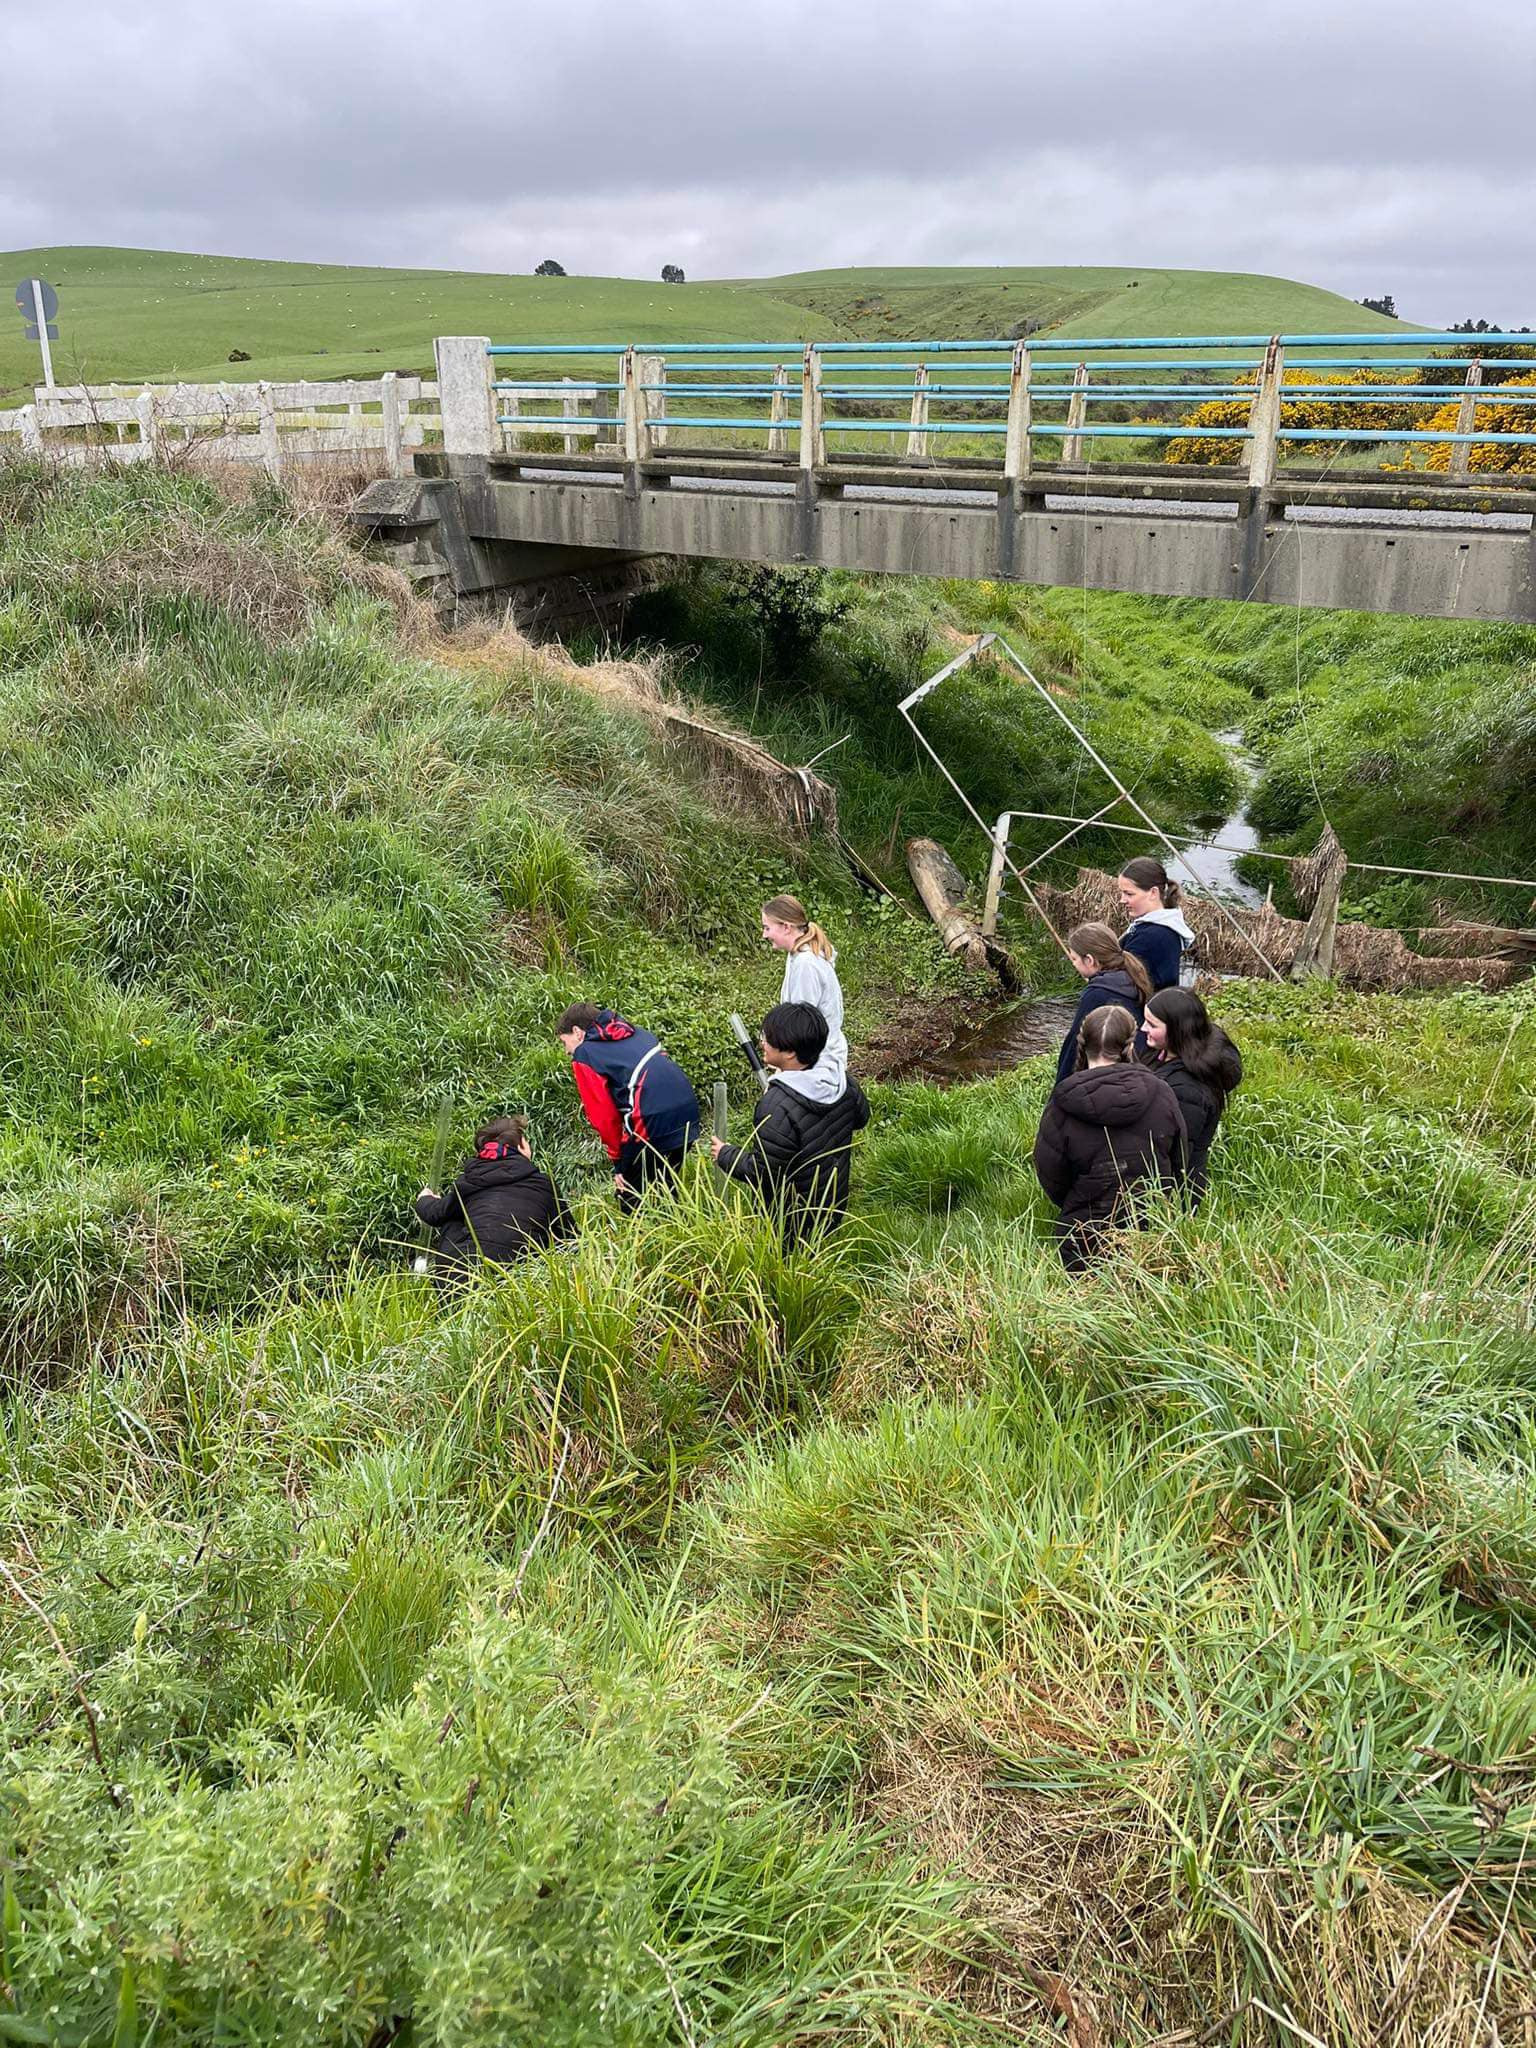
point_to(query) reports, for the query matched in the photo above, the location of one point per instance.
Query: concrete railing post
(653, 370)
(917, 429)
(1264, 418)
(149, 426)
(389, 409)
(813, 438)
(1077, 412)
(1466, 419)
(266, 415)
(465, 398)
(1016, 442)
(778, 412)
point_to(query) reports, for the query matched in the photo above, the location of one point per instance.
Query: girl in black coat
(1112, 975)
(1200, 1064)
(1112, 1132)
(500, 1208)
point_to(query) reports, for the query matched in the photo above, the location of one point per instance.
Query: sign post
(39, 302)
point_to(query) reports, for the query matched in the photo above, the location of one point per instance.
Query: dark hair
(1098, 942)
(1105, 1034)
(1149, 873)
(502, 1130)
(798, 1029)
(1202, 1046)
(579, 1017)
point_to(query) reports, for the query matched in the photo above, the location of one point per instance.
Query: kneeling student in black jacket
(500, 1208)
(802, 1126)
(1202, 1066)
(1112, 1133)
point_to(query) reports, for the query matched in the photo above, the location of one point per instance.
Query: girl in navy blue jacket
(1112, 975)
(1158, 933)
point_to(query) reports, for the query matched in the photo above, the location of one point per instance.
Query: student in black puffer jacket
(500, 1207)
(1112, 1133)
(803, 1125)
(1200, 1064)
(1112, 975)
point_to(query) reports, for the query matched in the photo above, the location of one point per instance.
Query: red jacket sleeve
(601, 1110)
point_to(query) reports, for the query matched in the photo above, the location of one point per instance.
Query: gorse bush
(675, 1639)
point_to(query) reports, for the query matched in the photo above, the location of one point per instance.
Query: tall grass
(681, 1640)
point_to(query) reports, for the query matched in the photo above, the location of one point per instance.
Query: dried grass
(1364, 957)
(1091, 1946)
(741, 775)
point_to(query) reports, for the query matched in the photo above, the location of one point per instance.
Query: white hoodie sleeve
(810, 979)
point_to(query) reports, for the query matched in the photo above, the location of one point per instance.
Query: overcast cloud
(1361, 145)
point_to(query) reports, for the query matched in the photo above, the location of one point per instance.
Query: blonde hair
(791, 911)
(1098, 942)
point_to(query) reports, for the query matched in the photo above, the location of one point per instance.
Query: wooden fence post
(653, 370)
(778, 412)
(1016, 442)
(149, 425)
(266, 413)
(389, 408)
(637, 432)
(1077, 412)
(813, 439)
(917, 432)
(1264, 418)
(1466, 419)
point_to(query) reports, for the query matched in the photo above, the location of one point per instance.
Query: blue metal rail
(910, 381)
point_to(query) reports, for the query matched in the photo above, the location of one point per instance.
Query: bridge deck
(1381, 543)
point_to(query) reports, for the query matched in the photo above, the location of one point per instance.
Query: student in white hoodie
(1158, 932)
(810, 973)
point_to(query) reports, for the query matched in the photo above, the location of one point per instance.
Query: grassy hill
(964, 304)
(676, 1641)
(141, 313)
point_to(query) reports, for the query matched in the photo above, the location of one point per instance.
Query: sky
(1364, 146)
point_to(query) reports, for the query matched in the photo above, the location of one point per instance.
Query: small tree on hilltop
(1386, 306)
(672, 273)
(550, 268)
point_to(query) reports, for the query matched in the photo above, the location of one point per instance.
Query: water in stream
(1032, 1027)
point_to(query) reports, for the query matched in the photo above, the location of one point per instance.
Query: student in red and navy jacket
(639, 1102)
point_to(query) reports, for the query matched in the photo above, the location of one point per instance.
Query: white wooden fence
(278, 425)
(271, 424)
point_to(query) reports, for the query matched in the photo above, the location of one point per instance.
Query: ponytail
(1149, 873)
(791, 911)
(1098, 943)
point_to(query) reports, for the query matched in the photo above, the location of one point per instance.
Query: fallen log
(941, 886)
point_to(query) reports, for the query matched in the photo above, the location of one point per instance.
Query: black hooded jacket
(798, 1155)
(497, 1209)
(1202, 1106)
(1108, 1134)
(1109, 985)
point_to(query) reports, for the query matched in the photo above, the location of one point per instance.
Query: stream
(1025, 1029)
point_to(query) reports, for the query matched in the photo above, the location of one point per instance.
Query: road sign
(39, 302)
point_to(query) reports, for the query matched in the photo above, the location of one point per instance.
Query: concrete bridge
(769, 453)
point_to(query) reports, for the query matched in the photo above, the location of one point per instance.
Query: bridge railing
(1019, 405)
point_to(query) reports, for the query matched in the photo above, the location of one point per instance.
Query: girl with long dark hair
(1202, 1066)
